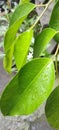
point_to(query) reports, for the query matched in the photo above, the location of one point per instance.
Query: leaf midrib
(23, 16)
(22, 94)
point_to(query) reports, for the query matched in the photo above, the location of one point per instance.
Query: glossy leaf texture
(54, 20)
(52, 108)
(29, 88)
(21, 47)
(42, 40)
(18, 17)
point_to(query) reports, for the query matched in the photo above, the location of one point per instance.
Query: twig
(56, 52)
(41, 5)
(46, 6)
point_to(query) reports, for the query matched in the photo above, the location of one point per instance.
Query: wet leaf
(29, 88)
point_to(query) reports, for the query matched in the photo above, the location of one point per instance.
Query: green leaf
(52, 108)
(22, 44)
(54, 20)
(56, 1)
(29, 88)
(18, 17)
(23, 1)
(42, 40)
(21, 11)
(8, 59)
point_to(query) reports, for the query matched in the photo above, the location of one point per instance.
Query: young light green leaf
(18, 17)
(8, 59)
(54, 20)
(20, 49)
(29, 88)
(52, 108)
(42, 40)
(23, 1)
(22, 44)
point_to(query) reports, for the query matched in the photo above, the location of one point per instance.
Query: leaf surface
(52, 108)
(54, 20)
(8, 59)
(23, 1)
(22, 44)
(42, 40)
(18, 17)
(29, 88)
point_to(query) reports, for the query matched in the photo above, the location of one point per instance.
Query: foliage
(52, 113)
(42, 40)
(54, 20)
(34, 80)
(24, 91)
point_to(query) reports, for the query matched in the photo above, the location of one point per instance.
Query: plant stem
(56, 52)
(46, 6)
(41, 5)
